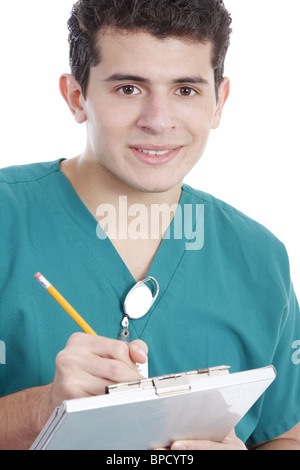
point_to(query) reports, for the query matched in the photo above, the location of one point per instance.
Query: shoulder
(228, 215)
(20, 191)
(26, 173)
(238, 233)
(19, 183)
(214, 203)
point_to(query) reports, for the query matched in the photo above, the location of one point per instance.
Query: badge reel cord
(137, 303)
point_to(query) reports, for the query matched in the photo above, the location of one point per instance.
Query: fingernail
(140, 351)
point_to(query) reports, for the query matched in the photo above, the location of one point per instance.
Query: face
(149, 108)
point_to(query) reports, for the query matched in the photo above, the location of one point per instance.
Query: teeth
(154, 153)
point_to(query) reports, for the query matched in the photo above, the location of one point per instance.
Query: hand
(89, 363)
(231, 442)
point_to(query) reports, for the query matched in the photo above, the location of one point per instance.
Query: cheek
(111, 124)
(199, 126)
(199, 117)
(101, 130)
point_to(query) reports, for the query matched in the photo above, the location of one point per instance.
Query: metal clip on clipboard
(168, 384)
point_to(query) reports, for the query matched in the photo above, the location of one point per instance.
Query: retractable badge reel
(137, 303)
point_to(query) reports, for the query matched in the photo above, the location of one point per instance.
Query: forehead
(143, 52)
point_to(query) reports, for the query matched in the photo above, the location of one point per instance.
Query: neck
(100, 190)
(135, 221)
(94, 183)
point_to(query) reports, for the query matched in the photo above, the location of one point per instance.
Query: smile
(156, 155)
(154, 152)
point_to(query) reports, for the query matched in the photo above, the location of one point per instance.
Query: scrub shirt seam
(32, 180)
(165, 290)
(99, 267)
(219, 205)
(167, 286)
(161, 297)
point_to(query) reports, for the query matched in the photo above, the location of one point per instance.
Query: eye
(129, 90)
(186, 91)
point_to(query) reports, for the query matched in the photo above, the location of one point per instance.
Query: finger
(138, 351)
(228, 444)
(111, 370)
(91, 375)
(101, 346)
(193, 445)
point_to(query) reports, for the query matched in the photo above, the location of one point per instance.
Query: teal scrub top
(230, 301)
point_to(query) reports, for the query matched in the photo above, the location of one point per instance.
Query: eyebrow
(194, 80)
(118, 77)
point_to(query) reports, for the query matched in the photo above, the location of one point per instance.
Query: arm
(287, 441)
(83, 369)
(22, 416)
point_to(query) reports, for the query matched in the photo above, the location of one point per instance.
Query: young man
(147, 79)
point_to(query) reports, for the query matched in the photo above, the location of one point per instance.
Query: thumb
(138, 351)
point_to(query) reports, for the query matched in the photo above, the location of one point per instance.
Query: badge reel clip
(137, 303)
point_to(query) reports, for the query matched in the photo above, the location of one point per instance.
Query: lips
(155, 154)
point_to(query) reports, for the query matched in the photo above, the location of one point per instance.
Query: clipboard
(152, 413)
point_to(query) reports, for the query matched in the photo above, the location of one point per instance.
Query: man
(147, 79)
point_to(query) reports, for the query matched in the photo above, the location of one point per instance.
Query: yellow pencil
(68, 308)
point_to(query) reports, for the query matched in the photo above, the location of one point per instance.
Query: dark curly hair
(199, 20)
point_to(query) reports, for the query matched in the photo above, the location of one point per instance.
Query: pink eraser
(37, 276)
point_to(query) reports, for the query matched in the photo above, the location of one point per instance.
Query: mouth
(156, 154)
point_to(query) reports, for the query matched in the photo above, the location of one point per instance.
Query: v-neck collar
(163, 267)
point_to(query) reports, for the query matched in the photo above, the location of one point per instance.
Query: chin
(154, 187)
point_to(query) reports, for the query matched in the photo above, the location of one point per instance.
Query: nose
(156, 115)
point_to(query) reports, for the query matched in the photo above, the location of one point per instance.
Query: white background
(251, 162)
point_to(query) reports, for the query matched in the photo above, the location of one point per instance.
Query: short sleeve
(281, 404)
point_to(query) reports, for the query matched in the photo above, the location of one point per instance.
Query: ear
(71, 92)
(224, 90)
